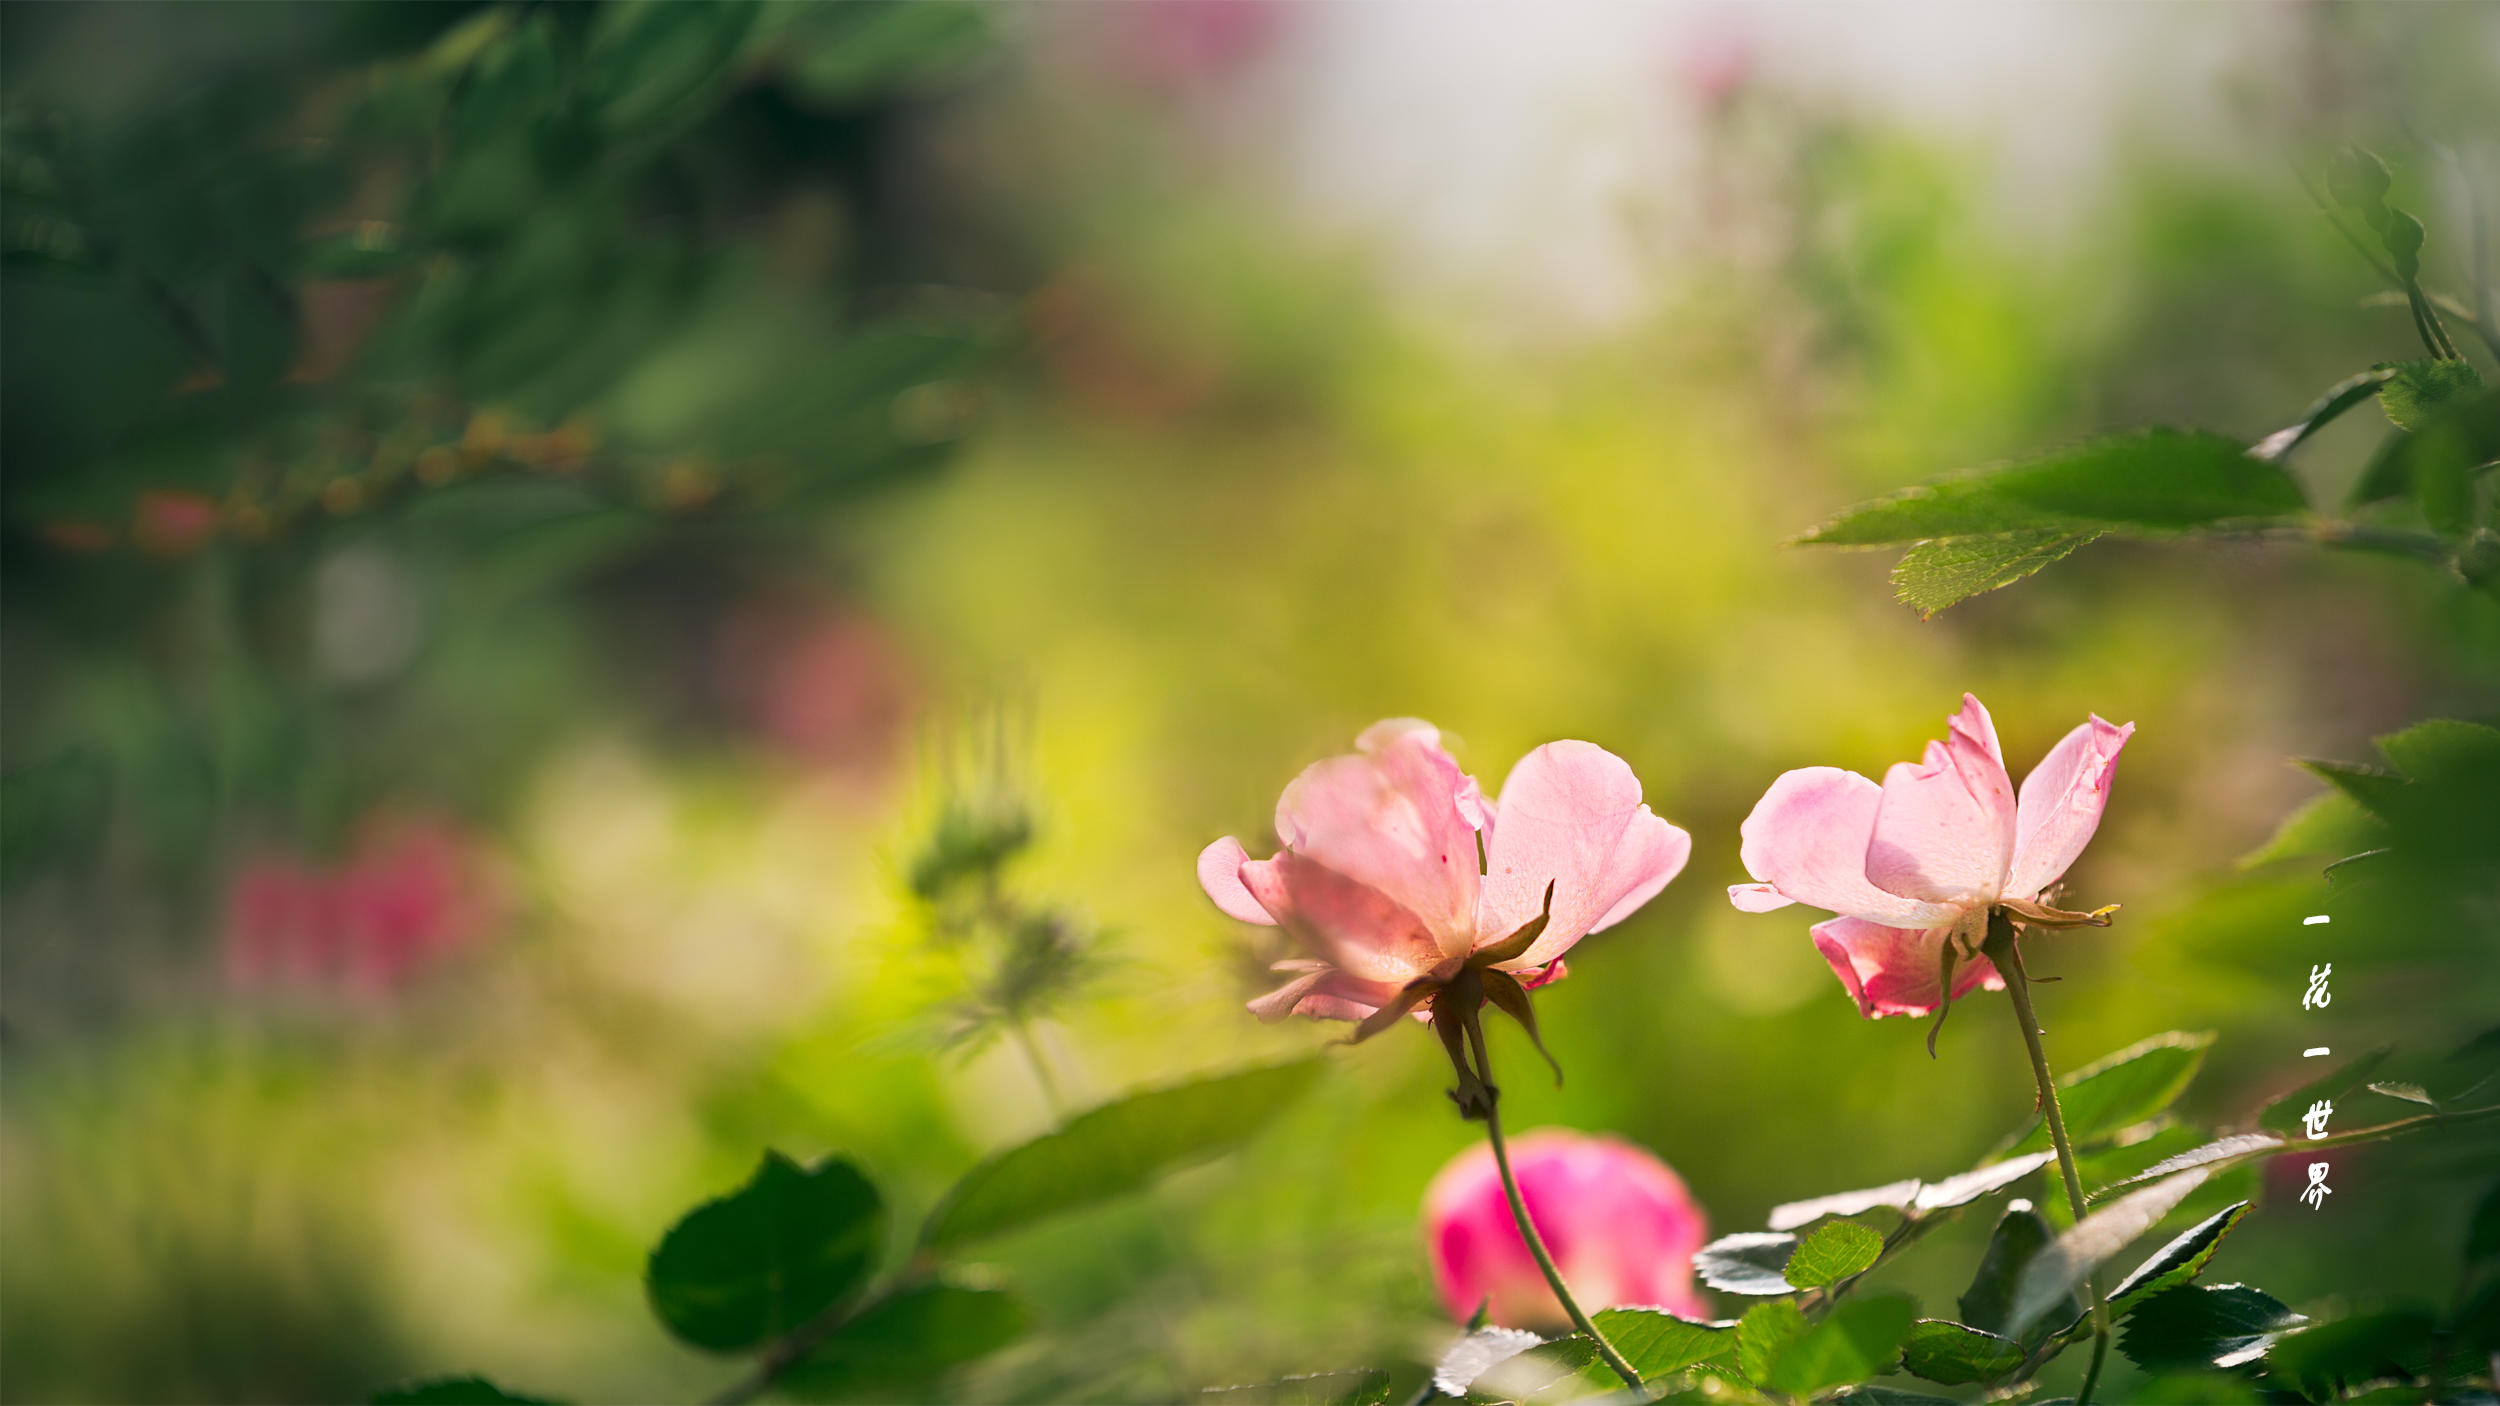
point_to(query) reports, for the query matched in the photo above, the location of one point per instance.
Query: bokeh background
(527, 527)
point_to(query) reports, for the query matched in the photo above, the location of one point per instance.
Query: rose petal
(1346, 924)
(1394, 817)
(2061, 804)
(1327, 994)
(1944, 832)
(1897, 971)
(1571, 816)
(1807, 839)
(1620, 1224)
(1757, 898)
(1219, 873)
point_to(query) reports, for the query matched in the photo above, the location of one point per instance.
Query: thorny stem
(2003, 950)
(1527, 1228)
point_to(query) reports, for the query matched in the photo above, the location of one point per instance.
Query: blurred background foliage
(535, 535)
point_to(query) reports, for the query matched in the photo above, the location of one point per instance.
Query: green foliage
(1933, 575)
(2052, 1275)
(1115, 1149)
(2416, 391)
(1834, 1251)
(1858, 1339)
(1368, 1386)
(455, 1391)
(900, 1346)
(768, 1257)
(2325, 410)
(2021, 1235)
(1765, 1333)
(2179, 1261)
(2148, 483)
(1957, 1354)
(2197, 1325)
(2125, 1088)
(1750, 1262)
(1657, 1344)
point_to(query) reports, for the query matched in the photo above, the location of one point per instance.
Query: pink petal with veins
(1806, 842)
(2061, 804)
(1897, 971)
(1571, 816)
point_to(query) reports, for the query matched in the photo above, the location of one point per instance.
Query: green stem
(2003, 950)
(1023, 1032)
(1527, 1228)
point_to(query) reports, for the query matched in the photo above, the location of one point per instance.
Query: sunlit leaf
(769, 1256)
(1115, 1149)
(2330, 824)
(1748, 1262)
(1791, 1215)
(2152, 482)
(1936, 574)
(2179, 1261)
(1764, 1333)
(1858, 1339)
(1956, 1353)
(2125, 1088)
(1834, 1251)
(2415, 391)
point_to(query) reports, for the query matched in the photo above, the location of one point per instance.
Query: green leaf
(1943, 572)
(1957, 1354)
(2324, 1358)
(2196, 1325)
(1748, 1262)
(900, 1346)
(455, 1391)
(650, 60)
(1889, 1396)
(769, 1256)
(1655, 1342)
(2151, 482)
(2331, 824)
(1858, 1339)
(2051, 1276)
(1115, 1149)
(2410, 1093)
(2124, 1089)
(1764, 1333)
(1912, 1196)
(2179, 1261)
(2340, 397)
(2436, 461)
(1658, 1343)
(2021, 1234)
(1836, 1250)
(2215, 1155)
(2415, 391)
(2375, 789)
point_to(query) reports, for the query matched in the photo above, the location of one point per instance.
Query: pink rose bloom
(1380, 885)
(1917, 863)
(1618, 1222)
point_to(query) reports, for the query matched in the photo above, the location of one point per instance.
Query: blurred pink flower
(172, 522)
(412, 892)
(826, 683)
(1380, 885)
(1618, 1222)
(1916, 863)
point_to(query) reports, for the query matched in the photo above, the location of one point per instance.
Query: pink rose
(1618, 1222)
(1913, 866)
(1380, 886)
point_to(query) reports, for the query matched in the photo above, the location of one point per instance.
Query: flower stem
(1527, 1228)
(2002, 949)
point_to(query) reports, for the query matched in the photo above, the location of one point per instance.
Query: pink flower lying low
(1914, 865)
(1379, 883)
(1618, 1222)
